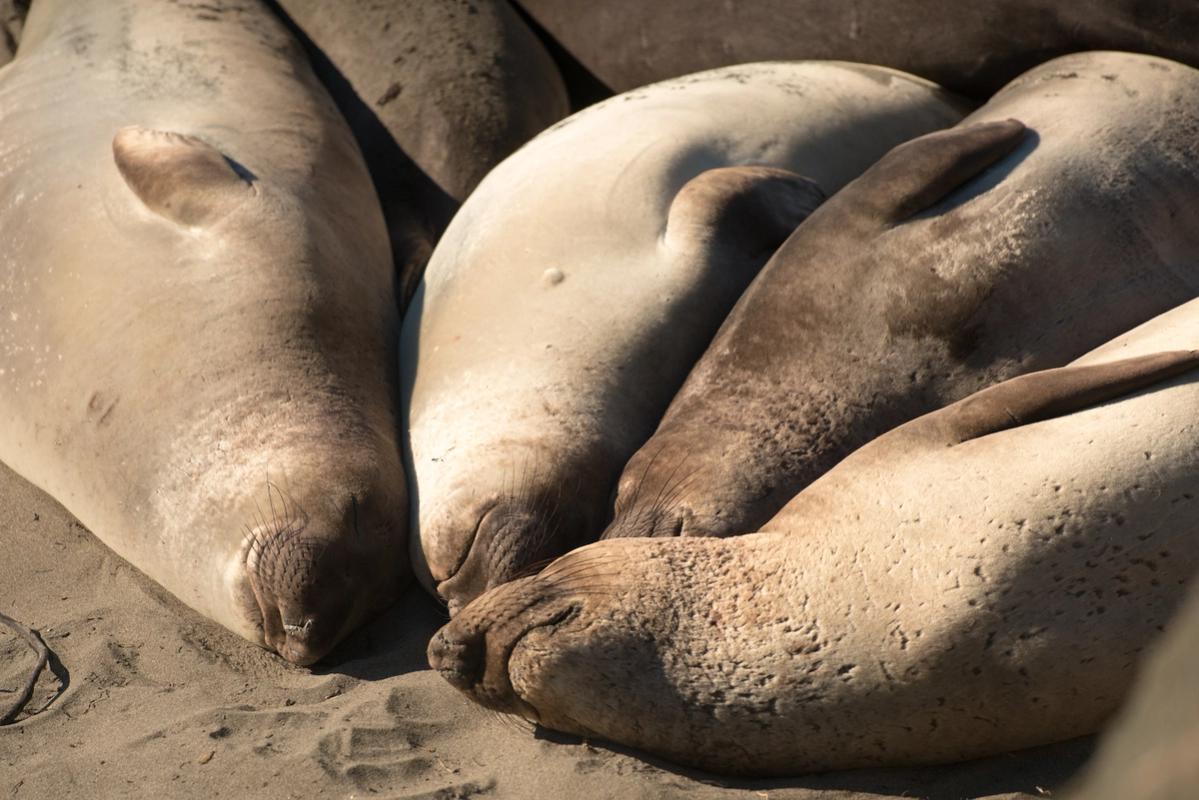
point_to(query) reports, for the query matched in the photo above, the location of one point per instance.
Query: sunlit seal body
(911, 289)
(437, 93)
(1148, 751)
(585, 275)
(982, 579)
(196, 314)
(967, 48)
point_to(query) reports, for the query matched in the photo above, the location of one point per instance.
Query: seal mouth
(298, 630)
(455, 575)
(300, 591)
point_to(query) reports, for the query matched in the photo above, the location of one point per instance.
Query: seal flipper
(917, 174)
(1051, 393)
(749, 209)
(179, 177)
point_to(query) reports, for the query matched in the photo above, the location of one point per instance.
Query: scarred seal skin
(585, 275)
(982, 579)
(970, 49)
(437, 92)
(963, 258)
(196, 314)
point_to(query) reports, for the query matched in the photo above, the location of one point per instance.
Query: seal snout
(474, 651)
(458, 659)
(472, 655)
(511, 536)
(314, 576)
(297, 579)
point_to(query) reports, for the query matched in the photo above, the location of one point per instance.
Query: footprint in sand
(389, 747)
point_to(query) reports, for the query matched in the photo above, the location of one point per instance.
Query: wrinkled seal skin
(1148, 752)
(982, 579)
(438, 88)
(580, 282)
(911, 289)
(968, 48)
(197, 305)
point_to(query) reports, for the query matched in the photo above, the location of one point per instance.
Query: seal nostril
(459, 661)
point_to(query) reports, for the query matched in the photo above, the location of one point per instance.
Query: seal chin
(651, 501)
(511, 536)
(650, 522)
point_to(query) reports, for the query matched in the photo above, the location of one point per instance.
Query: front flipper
(746, 210)
(180, 177)
(916, 174)
(1050, 393)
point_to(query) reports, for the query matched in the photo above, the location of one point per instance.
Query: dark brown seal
(437, 92)
(969, 48)
(914, 286)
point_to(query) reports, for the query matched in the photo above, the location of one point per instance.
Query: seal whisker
(270, 499)
(510, 720)
(637, 486)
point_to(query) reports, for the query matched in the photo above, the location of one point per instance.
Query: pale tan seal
(914, 287)
(585, 275)
(982, 579)
(197, 314)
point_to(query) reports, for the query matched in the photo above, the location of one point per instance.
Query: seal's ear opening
(751, 210)
(180, 177)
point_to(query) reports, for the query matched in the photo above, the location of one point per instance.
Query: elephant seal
(437, 92)
(198, 314)
(970, 50)
(979, 580)
(911, 289)
(1148, 752)
(581, 280)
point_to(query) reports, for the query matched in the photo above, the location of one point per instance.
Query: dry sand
(160, 702)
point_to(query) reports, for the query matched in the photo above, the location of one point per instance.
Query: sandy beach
(160, 702)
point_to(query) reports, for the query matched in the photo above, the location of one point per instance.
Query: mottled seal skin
(1148, 751)
(197, 310)
(580, 282)
(982, 579)
(438, 88)
(914, 287)
(970, 49)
